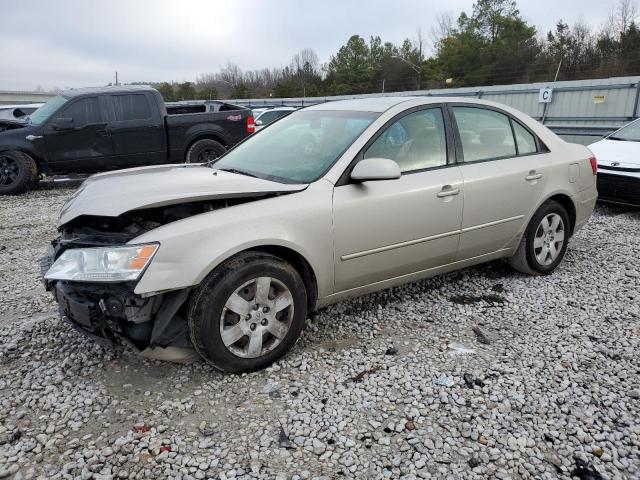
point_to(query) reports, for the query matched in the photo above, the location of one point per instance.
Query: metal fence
(580, 111)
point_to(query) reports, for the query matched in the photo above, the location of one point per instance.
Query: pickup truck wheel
(18, 172)
(544, 242)
(248, 312)
(203, 151)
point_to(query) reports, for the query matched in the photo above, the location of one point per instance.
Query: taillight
(251, 124)
(594, 165)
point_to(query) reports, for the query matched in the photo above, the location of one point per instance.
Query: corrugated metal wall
(581, 111)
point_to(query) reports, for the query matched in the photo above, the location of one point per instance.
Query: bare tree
(305, 59)
(419, 44)
(621, 17)
(443, 28)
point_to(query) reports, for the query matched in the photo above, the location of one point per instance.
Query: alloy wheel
(256, 317)
(9, 170)
(207, 155)
(549, 239)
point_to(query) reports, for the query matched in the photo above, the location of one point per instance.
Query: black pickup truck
(92, 130)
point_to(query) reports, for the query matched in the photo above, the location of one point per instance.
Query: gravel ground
(478, 374)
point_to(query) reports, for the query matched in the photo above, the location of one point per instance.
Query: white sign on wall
(545, 95)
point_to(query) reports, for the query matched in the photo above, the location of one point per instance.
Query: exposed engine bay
(95, 230)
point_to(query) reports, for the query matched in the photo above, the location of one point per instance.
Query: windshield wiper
(239, 172)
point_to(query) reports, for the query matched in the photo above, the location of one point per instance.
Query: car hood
(114, 193)
(618, 152)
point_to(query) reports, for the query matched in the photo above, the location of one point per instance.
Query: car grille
(619, 189)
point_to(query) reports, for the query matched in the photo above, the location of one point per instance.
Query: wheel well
(207, 136)
(567, 203)
(301, 265)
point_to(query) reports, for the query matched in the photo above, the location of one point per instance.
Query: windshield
(631, 133)
(300, 148)
(45, 111)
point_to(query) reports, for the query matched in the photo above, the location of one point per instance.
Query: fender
(515, 241)
(215, 236)
(206, 130)
(16, 139)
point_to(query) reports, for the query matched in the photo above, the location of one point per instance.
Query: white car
(618, 157)
(270, 115)
(17, 112)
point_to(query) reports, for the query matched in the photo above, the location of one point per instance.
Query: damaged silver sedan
(333, 201)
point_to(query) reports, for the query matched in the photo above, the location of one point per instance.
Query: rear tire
(18, 172)
(203, 151)
(247, 313)
(544, 242)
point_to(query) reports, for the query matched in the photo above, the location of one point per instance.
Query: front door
(389, 228)
(85, 145)
(505, 169)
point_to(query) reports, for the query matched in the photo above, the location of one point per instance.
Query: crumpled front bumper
(111, 313)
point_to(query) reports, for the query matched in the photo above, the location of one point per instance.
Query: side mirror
(259, 123)
(62, 124)
(375, 169)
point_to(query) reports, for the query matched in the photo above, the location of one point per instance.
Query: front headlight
(102, 264)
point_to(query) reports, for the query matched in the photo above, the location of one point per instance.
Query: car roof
(76, 92)
(276, 109)
(371, 104)
(381, 104)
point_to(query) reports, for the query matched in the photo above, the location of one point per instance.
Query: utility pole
(383, 80)
(116, 78)
(555, 79)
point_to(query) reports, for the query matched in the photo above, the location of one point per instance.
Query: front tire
(248, 312)
(544, 242)
(18, 172)
(203, 151)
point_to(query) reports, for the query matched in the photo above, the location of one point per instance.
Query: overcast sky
(74, 43)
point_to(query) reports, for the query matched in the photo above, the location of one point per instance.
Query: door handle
(31, 138)
(104, 132)
(447, 191)
(533, 175)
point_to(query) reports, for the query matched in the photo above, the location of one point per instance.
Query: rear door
(86, 146)
(137, 130)
(505, 168)
(390, 228)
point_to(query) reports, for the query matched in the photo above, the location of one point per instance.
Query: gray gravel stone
(558, 380)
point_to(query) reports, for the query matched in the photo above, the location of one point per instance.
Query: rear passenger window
(526, 142)
(485, 134)
(84, 112)
(131, 107)
(416, 141)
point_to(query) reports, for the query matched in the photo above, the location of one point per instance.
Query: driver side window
(415, 142)
(83, 112)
